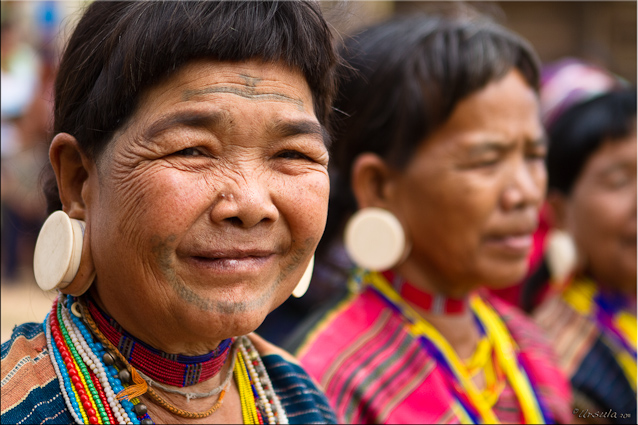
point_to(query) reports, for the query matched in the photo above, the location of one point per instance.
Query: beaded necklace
(98, 389)
(89, 385)
(171, 369)
(613, 318)
(472, 407)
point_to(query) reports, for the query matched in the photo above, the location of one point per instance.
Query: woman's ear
(71, 169)
(370, 178)
(557, 209)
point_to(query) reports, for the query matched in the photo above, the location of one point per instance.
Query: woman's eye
(292, 155)
(485, 162)
(537, 155)
(189, 152)
(616, 179)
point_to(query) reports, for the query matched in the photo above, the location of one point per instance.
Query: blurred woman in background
(440, 151)
(590, 260)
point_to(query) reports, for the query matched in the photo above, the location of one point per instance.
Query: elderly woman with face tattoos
(441, 143)
(589, 306)
(190, 166)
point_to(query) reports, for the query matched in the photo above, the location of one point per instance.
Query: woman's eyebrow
(503, 146)
(291, 128)
(491, 146)
(186, 119)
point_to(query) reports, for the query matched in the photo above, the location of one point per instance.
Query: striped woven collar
(171, 369)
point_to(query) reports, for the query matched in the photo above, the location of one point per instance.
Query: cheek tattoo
(162, 250)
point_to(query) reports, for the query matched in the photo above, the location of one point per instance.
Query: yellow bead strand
(248, 406)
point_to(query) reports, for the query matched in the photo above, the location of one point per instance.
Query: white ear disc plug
(561, 254)
(303, 284)
(374, 239)
(58, 251)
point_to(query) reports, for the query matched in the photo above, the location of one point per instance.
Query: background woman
(440, 129)
(590, 309)
(190, 155)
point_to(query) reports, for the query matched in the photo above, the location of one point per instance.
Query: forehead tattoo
(248, 92)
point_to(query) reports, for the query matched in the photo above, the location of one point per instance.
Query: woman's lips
(513, 244)
(247, 264)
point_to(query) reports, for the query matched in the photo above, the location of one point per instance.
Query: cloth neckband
(432, 303)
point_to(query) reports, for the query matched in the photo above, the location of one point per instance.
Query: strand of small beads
(91, 362)
(90, 407)
(119, 376)
(124, 410)
(249, 410)
(69, 396)
(137, 408)
(260, 396)
(263, 385)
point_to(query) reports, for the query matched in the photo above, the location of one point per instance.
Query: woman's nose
(245, 203)
(526, 187)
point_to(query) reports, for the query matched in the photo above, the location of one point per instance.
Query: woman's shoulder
(587, 358)
(27, 347)
(339, 323)
(30, 389)
(299, 394)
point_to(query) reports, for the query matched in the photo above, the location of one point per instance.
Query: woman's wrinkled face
(601, 213)
(210, 203)
(470, 196)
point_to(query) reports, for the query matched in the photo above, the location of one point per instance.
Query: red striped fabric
(374, 371)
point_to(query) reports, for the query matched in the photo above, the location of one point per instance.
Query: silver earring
(561, 254)
(58, 251)
(303, 284)
(375, 240)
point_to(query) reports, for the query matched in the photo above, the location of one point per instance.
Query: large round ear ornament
(375, 240)
(58, 253)
(561, 254)
(303, 284)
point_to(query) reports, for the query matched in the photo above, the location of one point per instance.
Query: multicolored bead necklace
(472, 406)
(261, 389)
(99, 386)
(90, 386)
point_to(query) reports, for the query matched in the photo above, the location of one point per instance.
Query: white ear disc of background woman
(374, 239)
(58, 251)
(561, 254)
(303, 284)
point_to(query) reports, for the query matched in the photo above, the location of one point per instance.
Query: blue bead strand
(66, 380)
(110, 370)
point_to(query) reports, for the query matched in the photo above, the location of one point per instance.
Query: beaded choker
(436, 304)
(171, 369)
